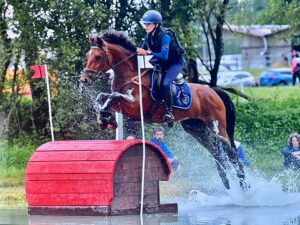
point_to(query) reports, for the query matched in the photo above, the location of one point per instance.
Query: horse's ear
(96, 41)
(91, 40)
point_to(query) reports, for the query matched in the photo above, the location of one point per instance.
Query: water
(264, 203)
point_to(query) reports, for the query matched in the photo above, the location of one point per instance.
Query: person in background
(241, 153)
(158, 139)
(295, 66)
(291, 152)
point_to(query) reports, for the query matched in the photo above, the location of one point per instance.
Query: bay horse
(210, 119)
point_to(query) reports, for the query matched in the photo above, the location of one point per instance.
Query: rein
(134, 80)
(114, 66)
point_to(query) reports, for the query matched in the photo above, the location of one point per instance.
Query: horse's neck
(125, 67)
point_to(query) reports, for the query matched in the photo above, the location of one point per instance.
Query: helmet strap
(157, 25)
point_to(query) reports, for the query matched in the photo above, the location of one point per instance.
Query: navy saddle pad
(182, 97)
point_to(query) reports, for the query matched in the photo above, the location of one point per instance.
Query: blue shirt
(242, 155)
(163, 146)
(289, 150)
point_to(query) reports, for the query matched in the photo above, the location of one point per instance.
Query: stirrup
(168, 117)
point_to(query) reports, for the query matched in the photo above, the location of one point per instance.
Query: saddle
(182, 97)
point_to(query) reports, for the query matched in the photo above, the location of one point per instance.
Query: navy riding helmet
(151, 16)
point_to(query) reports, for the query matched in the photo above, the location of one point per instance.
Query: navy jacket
(163, 48)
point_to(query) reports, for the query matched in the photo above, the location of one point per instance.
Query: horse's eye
(97, 57)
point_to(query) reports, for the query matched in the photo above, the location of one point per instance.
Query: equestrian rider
(167, 53)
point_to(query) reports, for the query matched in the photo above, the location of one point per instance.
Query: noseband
(94, 74)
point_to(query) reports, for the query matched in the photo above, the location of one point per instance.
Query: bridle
(96, 75)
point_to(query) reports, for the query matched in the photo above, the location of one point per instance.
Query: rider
(167, 53)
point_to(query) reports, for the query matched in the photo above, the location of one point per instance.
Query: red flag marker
(39, 71)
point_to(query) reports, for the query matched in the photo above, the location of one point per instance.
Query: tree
(281, 12)
(211, 14)
(56, 28)
(5, 44)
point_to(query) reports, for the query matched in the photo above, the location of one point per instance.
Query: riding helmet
(151, 16)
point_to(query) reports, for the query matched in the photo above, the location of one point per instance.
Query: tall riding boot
(168, 117)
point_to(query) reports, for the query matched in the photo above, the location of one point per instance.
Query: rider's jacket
(165, 47)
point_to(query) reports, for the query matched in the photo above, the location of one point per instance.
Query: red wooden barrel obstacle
(101, 177)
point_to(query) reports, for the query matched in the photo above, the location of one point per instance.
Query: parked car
(236, 78)
(233, 78)
(276, 76)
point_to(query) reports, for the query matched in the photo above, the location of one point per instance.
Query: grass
(13, 159)
(275, 93)
(12, 192)
(12, 197)
(12, 176)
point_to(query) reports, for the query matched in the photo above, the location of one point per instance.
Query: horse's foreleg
(104, 102)
(116, 96)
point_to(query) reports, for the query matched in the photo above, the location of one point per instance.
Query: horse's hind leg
(229, 149)
(210, 141)
(228, 131)
(236, 163)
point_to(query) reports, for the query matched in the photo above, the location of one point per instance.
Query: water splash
(262, 193)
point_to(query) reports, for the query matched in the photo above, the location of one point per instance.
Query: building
(261, 45)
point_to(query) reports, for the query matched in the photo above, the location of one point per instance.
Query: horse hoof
(244, 185)
(168, 118)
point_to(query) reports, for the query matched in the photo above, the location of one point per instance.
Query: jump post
(95, 177)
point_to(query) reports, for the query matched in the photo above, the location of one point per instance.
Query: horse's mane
(120, 38)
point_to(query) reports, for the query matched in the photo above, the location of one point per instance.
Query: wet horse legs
(218, 147)
(103, 104)
(211, 142)
(105, 116)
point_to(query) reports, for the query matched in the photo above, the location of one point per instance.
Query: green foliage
(264, 125)
(16, 155)
(74, 115)
(279, 12)
(275, 124)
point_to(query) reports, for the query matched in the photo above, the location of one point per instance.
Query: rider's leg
(170, 76)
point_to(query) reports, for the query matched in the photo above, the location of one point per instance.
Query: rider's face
(149, 27)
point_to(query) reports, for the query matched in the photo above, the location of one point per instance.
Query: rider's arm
(143, 50)
(165, 46)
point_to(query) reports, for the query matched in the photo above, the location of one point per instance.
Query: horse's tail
(230, 113)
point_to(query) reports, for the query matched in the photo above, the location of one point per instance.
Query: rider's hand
(141, 51)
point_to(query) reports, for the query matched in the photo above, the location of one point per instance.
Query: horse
(210, 119)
